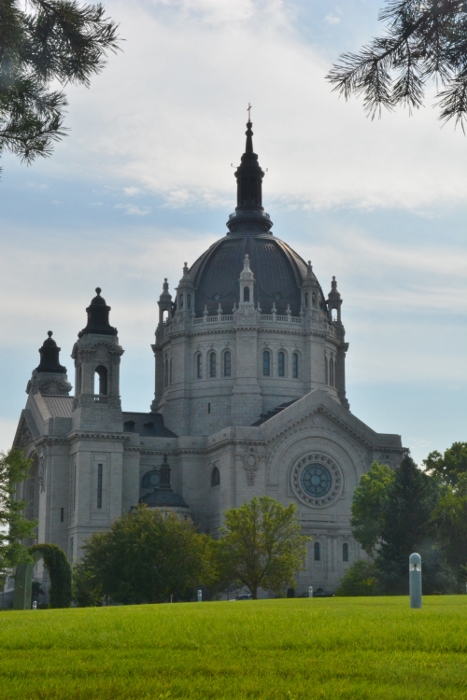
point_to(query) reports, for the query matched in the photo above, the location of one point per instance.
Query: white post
(200, 596)
(415, 580)
(310, 592)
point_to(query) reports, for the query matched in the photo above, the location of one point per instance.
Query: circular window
(316, 480)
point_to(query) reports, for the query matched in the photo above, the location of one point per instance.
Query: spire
(50, 355)
(249, 217)
(98, 317)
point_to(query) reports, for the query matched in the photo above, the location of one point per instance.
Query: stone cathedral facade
(249, 400)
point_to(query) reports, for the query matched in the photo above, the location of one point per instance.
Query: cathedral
(249, 400)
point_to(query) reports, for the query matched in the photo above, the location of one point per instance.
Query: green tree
(361, 578)
(14, 527)
(262, 545)
(145, 557)
(423, 40)
(367, 506)
(43, 42)
(450, 518)
(408, 527)
(450, 465)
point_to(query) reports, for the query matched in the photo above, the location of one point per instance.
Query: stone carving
(24, 437)
(250, 462)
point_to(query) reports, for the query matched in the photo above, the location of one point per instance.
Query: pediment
(26, 433)
(318, 410)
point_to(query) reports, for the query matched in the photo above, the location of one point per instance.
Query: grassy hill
(279, 649)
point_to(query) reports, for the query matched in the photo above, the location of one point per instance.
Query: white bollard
(415, 580)
(310, 592)
(34, 604)
(200, 596)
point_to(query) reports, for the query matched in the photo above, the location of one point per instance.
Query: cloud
(332, 19)
(189, 70)
(133, 210)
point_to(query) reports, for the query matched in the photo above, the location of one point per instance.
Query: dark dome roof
(163, 498)
(279, 272)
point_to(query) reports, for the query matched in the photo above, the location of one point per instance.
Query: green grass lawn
(292, 649)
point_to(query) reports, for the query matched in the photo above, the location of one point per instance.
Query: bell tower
(97, 355)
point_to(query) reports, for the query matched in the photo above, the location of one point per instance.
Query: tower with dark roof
(97, 354)
(249, 329)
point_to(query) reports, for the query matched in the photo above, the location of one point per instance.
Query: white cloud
(332, 19)
(133, 210)
(189, 74)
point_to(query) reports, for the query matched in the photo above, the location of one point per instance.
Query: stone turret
(97, 362)
(49, 378)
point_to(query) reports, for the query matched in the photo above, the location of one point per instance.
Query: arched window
(188, 301)
(227, 363)
(170, 371)
(331, 372)
(345, 552)
(317, 551)
(295, 365)
(181, 302)
(100, 380)
(166, 373)
(334, 314)
(212, 364)
(281, 364)
(215, 477)
(306, 300)
(313, 299)
(326, 373)
(199, 366)
(165, 316)
(266, 363)
(246, 294)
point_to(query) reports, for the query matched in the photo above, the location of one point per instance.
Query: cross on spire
(249, 112)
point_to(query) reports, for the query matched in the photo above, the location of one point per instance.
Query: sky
(144, 182)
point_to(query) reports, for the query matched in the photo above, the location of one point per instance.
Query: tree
(450, 518)
(408, 527)
(361, 578)
(145, 557)
(424, 40)
(449, 466)
(50, 40)
(262, 545)
(367, 506)
(14, 527)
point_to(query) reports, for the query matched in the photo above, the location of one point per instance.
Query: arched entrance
(59, 571)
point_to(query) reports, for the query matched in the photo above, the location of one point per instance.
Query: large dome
(278, 271)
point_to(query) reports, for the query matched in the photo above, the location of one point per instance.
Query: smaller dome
(50, 355)
(162, 498)
(98, 317)
(98, 300)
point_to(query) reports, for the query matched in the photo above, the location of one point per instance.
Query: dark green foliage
(395, 514)
(408, 527)
(450, 465)
(367, 506)
(42, 41)
(14, 527)
(450, 518)
(59, 570)
(146, 557)
(423, 40)
(360, 579)
(262, 545)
